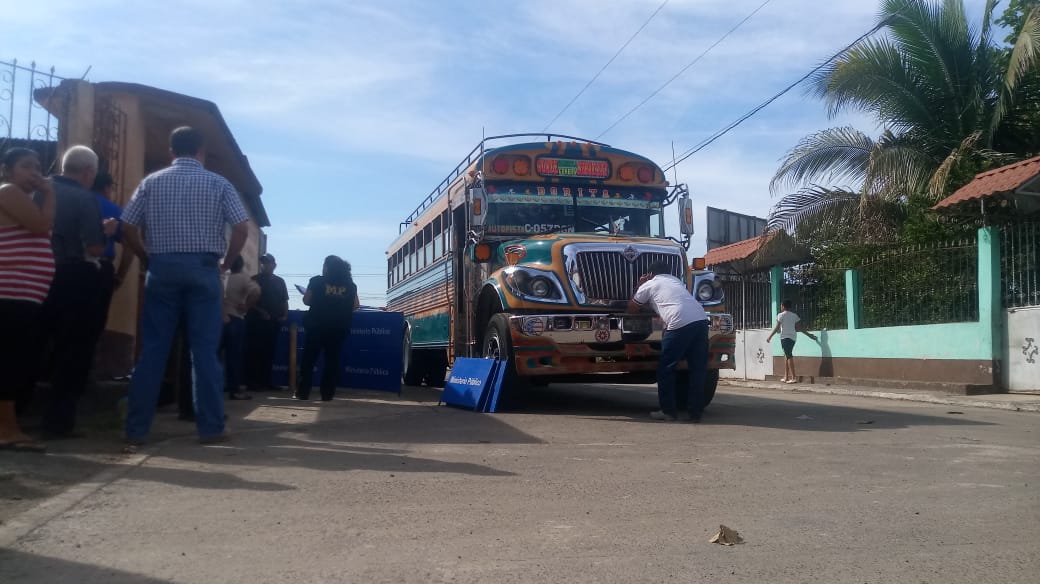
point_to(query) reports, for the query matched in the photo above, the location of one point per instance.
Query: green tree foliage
(950, 102)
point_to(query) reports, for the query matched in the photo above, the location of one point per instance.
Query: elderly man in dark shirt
(77, 241)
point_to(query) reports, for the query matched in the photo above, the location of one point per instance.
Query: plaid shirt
(184, 209)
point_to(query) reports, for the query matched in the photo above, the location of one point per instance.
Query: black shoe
(239, 395)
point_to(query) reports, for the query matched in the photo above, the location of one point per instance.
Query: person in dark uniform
(332, 298)
(263, 321)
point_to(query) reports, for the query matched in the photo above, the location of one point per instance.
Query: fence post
(776, 289)
(989, 296)
(853, 298)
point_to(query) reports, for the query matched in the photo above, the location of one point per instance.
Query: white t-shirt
(787, 320)
(670, 299)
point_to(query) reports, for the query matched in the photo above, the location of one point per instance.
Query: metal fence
(1020, 265)
(748, 300)
(928, 284)
(817, 293)
(23, 122)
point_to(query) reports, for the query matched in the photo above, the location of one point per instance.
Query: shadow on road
(633, 404)
(24, 567)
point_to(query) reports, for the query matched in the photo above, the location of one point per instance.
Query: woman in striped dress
(26, 269)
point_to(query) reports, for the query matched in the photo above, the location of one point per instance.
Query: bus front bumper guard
(588, 343)
(604, 328)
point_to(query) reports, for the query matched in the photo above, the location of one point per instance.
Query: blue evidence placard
(468, 382)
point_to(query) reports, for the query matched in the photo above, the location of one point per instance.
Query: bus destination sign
(573, 168)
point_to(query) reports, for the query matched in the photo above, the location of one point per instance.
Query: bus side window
(445, 234)
(436, 238)
(428, 244)
(411, 257)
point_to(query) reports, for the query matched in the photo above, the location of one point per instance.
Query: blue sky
(352, 111)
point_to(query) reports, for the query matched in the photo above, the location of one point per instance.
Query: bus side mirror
(477, 207)
(685, 216)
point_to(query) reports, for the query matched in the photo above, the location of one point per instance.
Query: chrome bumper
(591, 329)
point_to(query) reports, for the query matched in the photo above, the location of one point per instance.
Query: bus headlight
(541, 287)
(705, 291)
(533, 284)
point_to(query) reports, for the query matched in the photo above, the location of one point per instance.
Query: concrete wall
(115, 354)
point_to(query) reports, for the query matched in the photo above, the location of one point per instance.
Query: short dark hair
(661, 267)
(13, 155)
(267, 259)
(185, 141)
(785, 303)
(237, 265)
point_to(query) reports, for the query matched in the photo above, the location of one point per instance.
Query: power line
(703, 144)
(604, 68)
(683, 70)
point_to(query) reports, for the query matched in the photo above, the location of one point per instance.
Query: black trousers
(19, 349)
(106, 286)
(327, 341)
(68, 323)
(261, 340)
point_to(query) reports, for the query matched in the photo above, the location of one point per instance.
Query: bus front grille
(608, 275)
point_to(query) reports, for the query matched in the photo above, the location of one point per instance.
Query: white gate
(1021, 371)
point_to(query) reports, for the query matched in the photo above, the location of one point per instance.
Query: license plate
(636, 325)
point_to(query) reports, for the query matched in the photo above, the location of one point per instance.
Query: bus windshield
(512, 214)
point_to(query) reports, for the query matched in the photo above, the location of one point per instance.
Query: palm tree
(946, 101)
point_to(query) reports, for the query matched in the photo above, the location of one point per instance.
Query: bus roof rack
(478, 151)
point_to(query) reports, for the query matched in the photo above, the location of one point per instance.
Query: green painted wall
(962, 340)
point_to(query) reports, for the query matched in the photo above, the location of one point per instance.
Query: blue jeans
(234, 353)
(188, 285)
(690, 343)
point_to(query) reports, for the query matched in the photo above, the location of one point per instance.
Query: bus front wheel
(498, 344)
(711, 383)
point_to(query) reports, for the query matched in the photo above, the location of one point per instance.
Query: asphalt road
(576, 486)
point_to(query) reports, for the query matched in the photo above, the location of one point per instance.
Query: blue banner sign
(371, 356)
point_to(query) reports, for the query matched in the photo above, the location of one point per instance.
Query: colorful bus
(529, 251)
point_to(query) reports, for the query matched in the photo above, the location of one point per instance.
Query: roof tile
(999, 180)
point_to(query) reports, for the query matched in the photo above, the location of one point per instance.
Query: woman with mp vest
(332, 298)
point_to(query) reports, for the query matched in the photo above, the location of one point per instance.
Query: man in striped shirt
(183, 211)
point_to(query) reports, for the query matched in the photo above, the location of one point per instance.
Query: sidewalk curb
(1028, 404)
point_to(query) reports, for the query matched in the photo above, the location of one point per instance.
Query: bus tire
(436, 367)
(410, 360)
(711, 383)
(498, 344)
